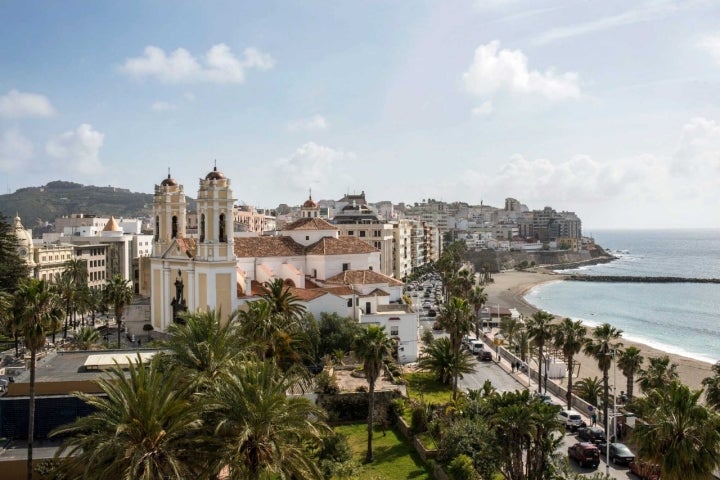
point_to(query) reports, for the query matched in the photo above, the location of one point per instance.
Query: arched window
(174, 227)
(202, 227)
(222, 236)
(157, 228)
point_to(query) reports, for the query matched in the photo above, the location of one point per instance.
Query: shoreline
(508, 290)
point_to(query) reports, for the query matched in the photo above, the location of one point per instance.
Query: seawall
(630, 279)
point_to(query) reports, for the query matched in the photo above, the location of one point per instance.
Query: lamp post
(607, 420)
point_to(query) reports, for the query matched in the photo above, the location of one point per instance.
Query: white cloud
(494, 70)
(698, 154)
(711, 44)
(218, 65)
(492, 4)
(484, 109)
(316, 122)
(162, 106)
(15, 151)
(648, 11)
(312, 165)
(19, 104)
(78, 150)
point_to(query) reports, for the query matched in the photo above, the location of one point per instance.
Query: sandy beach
(508, 290)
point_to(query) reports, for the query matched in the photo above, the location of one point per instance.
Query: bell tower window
(222, 236)
(174, 226)
(202, 227)
(157, 228)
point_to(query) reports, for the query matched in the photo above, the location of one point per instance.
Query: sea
(679, 318)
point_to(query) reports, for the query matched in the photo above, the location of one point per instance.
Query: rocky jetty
(633, 279)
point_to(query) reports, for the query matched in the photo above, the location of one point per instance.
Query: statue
(179, 305)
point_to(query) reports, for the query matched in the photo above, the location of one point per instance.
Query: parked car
(485, 356)
(571, 419)
(594, 435)
(585, 454)
(620, 454)
(476, 346)
(644, 470)
(432, 313)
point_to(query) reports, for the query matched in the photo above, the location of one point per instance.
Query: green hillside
(37, 205)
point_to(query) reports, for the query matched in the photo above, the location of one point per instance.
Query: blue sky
(606, 108)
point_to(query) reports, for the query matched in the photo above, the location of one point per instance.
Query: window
(362, 233)
(349, 303)
(157, 228)
(394, 331)
(307, 237)
(222, 237)
(351, 232)
(376, 233)
(368, 308)
(345, 267)
(174, 227)
(202, 227)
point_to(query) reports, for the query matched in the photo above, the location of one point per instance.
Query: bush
(335, 456)
(427, 336)
(397, 407)
(326, 383)
(461, 468)
(419, 419)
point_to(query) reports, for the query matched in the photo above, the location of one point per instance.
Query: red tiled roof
(343, 245)
(307, 294)
(267, 247)
(188, 246)
(362, 277)
(339, 290)
(310, 223)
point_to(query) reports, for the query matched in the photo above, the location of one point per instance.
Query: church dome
(310, 203)
(22, 235)
(169, 182)
(214, 175)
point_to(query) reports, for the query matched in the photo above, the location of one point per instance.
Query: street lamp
(607, 420)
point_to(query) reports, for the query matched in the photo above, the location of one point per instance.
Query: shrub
(419, 419)
(335, 456)
(427, 336)
(397, 407)
(461, 468)
(326, 383)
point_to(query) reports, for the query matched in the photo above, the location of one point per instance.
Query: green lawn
(423, 385)
(394, 457)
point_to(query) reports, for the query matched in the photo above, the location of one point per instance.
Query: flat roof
(106, 361)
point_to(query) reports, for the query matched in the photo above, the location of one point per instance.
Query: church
(215, 269)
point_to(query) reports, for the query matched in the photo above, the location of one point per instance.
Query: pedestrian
(593, 417)
(512, 365)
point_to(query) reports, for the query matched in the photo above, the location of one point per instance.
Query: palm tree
(510, 326)
(273, 334)
(439, 358)
(589, 389)
(77, 270)
(119, 293)
(145, 427)
(86, 338)
(372, 346)
(570, 337)
(456, 319)
(602, 346)
(712, 387)
(261, 431)
(281, 301)
(203, 346)
(658, 374)
(36, 307)
(477, 297)
(67, 291)
(540, 331)
(678, 433)
(630, 362)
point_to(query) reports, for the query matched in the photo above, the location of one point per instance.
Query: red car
(644, 470)
(585, 454)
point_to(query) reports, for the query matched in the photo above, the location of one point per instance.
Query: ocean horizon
(678, 318)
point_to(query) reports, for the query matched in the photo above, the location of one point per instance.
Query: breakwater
(636, 279)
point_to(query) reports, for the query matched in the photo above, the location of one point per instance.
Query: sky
(606, 108)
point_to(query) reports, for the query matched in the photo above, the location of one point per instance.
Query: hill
(38, 205)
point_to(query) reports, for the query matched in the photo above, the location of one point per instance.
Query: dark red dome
(214, 175)
(169, 182)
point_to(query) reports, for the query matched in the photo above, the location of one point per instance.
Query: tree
(145, 427)
(77, 270)
(677, 433)
(712, 387)
(456, 319)
(477, 297)
(589, 389)
(570, 337)
(540, 331)
(86, 338)
(372, 346)
(281, 300)
(630, 362)
(36, 306)
(68, 292)
(262, 432)
(12, 268)
(510, 327)
(659, 373)
(336, 332)
(602, 346)
(440, 359)
(202, 346)
(119, 293)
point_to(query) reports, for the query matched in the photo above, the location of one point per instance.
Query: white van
(476, 346)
